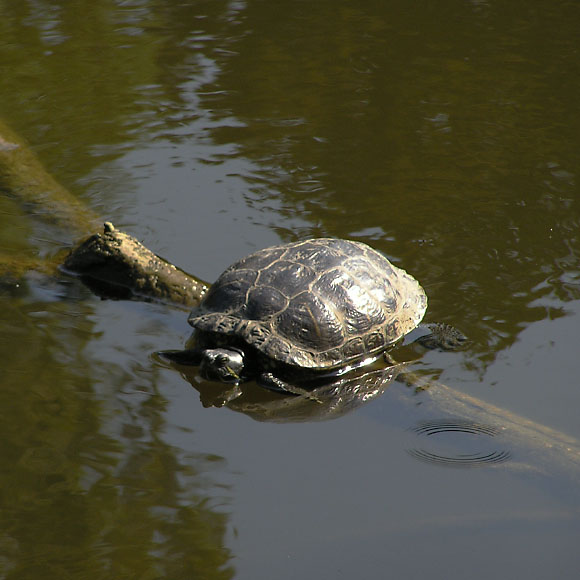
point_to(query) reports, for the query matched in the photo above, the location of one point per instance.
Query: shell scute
(292, 277)
(354, 348)
(230, 295)
(310, 322)
(317, 256)
(263, 302)
(374, 341)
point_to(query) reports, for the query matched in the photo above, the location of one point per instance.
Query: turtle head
(222, 364)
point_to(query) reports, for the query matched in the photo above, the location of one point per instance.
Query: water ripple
(453, 425)
(451, 432)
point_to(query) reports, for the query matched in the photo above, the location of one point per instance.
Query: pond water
(444, 134)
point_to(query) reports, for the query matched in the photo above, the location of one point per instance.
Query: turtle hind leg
(443, 337)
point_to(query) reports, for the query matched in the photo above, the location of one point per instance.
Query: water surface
(446, 135)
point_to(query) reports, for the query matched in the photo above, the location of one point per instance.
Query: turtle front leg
(274, 383)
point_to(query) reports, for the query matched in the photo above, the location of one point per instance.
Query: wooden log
(115, 264)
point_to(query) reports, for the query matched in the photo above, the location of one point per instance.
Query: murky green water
(445, 134)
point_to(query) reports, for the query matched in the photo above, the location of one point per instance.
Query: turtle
(301, 311)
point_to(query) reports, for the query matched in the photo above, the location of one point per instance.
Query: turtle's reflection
(334, 398)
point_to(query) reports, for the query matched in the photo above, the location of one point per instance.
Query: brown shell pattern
(318, 304)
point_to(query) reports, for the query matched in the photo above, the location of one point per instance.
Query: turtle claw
(443, 337)
(185, 357)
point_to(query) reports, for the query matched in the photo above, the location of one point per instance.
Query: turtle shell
(317, 304)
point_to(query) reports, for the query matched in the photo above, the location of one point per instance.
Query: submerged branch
(537, 448)
(23, 177)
